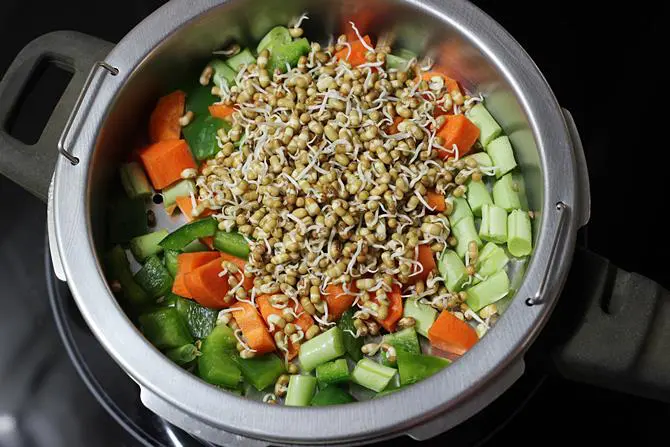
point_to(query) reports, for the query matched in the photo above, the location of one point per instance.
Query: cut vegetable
(165, 329)
(180, 238)
(465, 232)
(165, 161)
(451, 334)
(494, 224)
(395, 308)
(164, 121)
(450, 84)
(331, 395)
(199, 320)
(459, 134)
(453, 270)
(253, 328)
(199, 98)
(489, 291)
(277, 36)
(119, 270)
(482, 159)
(492, 259)
(372, 375)
(243, 58)
(207, 286)
(505, 193)
(426, 258)
(478, 196)
(519, 238)
(185, 204)
(333, 372)
(423, 314)
(338, 300)
(247, 281)
(394, 62)
(461, 209)
(154, 278)
(232, 243)
(405, 340)
(487, 125)
(201, 135)
(261, 372)
(224, 76)
(502, 155)
(413, 367)
(321, 349)
(355, 52)
(183, 188)
(171, 261)
(147, 245)
(183, 355)
(352, 343)
(134, 181)
(304, 321)
(215, 364)
(300, 390)
(436, 201)
(287, 54)
(221, 111)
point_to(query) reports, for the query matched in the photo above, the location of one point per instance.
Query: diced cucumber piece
(147, 245)
(244, 57)
(321, 349)
(452, 269)
(494, 224)
(165, 329)
(201, 135)
(502, 155)
(331, 395)
(183, 354)
(277, 36)
(183, 236)
(223, 73)
(413, 367)
(482, 159)
(486, 292)
(394, 62)
(405, 340)
(520, 188)
(336, 371)
(135, 181)
(488, 126)
(372, 375)
(199, 320)
(505, 193)
(352, 344)
(491, 260)
(127, 219)
(261, 372)
(519, 236)
(182, 188)
(154, 278)
(406, 54)
(478, 195)
(119, 270)
(171, 261)
(461, 210)
(232, 243)
(300, 390)
(287, 54)
(216, 364)
(423, 314)
(465, 232)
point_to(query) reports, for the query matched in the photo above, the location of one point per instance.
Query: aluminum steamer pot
(178, 38)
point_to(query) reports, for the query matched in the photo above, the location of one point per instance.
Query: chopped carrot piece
(393, 128)
(207, 286)
(179, 287)
(458, 131)
(304, 321)
(436, 200)
(208, 241)
(253, 328)
(248, 283)
(427, 260)
(395, 309)
(450, 84)
(186, 263)
(164, 121)
(358, 51)
(450, 334)
(338, 300)
(221, 111)
(170, 209)
(165, 161)
(185, 205)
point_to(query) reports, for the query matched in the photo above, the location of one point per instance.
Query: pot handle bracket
(31, 166)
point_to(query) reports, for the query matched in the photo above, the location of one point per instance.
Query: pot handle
(621, 338)
(196, 427)
(31, 166)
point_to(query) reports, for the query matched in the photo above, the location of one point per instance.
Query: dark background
(604, 63)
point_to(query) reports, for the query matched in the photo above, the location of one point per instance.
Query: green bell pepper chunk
(415, 367)
(127, 219)
(119, 269)
(199, 98)
(165, 328)
(333, 372)
(261, 372)
(154, 278)
(289, 53)
(180, 238)
(200, 320)
(171, 261)
(232, 243)
(216, 364)
(331, 395)
(201, 135)
(182, 355)
(405, 340)
(352, 344)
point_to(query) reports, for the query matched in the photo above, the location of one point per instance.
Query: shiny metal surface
(178, 38)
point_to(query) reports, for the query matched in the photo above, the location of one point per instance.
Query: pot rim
(397, 412)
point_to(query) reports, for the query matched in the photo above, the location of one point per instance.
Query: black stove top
(601, 67)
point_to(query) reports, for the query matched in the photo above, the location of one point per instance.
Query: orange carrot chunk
(179, 287)
(427, 260)
(358, 51)
(186, 263)
(221, 110)
(164, 120)
(253, 328)
(338, 300)
(186, 207)
(436, 200)
(395, 309)
(165, 161)
(304, 321)
(450, 334)
(450, 84)
(393, 128)
(248, 282)
(207, 286)
(458, 131)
